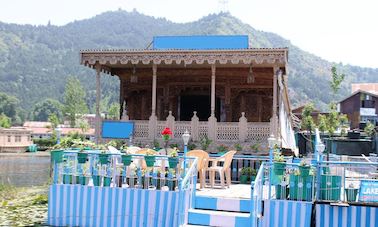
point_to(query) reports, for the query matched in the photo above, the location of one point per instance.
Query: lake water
(26, 169)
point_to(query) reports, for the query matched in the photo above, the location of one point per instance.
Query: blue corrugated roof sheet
(198, 42)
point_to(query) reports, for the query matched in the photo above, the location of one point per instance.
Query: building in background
(368, 87)
(361, 107)
(15, 139)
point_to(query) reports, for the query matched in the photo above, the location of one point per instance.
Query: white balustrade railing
(241, 131)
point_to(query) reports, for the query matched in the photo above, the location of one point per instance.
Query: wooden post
(213, 90)
(274, 120)
(153, 90)
(98, 97)
(153, 119)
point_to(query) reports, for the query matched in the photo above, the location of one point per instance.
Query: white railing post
(170, 121)
(243, 128)
(212, 124)
(152, 124)
(194, 126)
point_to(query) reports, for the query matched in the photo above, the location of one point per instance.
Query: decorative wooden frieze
(247, 56)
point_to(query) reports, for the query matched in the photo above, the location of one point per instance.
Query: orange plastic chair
(203, 158)
(224, 170)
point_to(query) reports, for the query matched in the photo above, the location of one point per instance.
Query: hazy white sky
(338, 30)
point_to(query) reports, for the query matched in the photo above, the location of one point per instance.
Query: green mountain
(35, 61)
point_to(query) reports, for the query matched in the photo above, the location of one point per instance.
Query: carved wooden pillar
(153, 119)
(121, 98)
(259, 107)
(227, 94)
(212, 121)
(153, 109)
(212, 112)
(274, 119)
(98, 98)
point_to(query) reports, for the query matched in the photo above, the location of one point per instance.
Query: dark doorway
(199, 103)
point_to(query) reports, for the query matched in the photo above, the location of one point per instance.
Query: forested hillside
(35, 61)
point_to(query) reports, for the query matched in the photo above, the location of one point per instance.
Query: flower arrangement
(166, 134)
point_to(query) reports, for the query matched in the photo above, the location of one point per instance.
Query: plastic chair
(203, 158)
(224, 170)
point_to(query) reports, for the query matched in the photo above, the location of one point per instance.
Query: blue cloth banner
(368, 191)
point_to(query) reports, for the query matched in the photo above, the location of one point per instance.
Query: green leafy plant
(248, 171)
(174, 153)
(205, 142)
(255, 147)
(278, 157)
(156, 144)
(173, 145)
(222, 148)
(192, 146)
(303, 163)
(238, 147)
(369, 129)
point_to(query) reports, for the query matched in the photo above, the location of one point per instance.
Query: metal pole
(185, 150)
(270, 170)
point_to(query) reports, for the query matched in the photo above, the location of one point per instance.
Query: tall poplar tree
(74, 100)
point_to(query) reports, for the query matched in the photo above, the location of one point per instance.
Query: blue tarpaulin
(201, 42)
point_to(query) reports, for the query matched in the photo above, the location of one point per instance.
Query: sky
(337, 30)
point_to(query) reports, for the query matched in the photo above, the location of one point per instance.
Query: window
(9, 139)
(17, 139)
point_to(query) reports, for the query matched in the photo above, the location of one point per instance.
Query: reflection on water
(27, 169)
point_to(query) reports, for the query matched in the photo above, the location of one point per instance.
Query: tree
(336, 81)
(307, 122)
(47, 107)
(82, 124)
(54, 120)
(74, 100)
(322, 124)
(5, 121)
(114, 111)
(9, 107)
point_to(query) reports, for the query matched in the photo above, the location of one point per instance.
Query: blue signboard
(117, 129)
(368, 191)
(201, 42)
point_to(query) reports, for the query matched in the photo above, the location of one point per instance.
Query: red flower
(166, 131)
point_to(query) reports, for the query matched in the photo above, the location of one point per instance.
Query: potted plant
(222, 149)
(238, 147)
(145, 182)
(255, 147)
(205, 142)
(158, 179)
(150, 158)
(300, 187)
(57, 156)
(351, 193)
(103, 157)
(244, 175)
(279, 164)
(172, 180)
(82, 156)
(132, 179)
(173, 159)
(304, 168)
(96, 178)
(126, 159)
(107, 178)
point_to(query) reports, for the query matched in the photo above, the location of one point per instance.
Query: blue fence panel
(117, 129)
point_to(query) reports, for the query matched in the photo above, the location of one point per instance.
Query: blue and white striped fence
(282, 213)
(77, 205)
(346, 216)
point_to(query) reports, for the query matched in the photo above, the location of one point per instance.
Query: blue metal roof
(198, 42)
